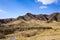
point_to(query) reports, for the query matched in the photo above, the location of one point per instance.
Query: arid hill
(7, 20)
(31, 27)
(43, 17)
(29, 16)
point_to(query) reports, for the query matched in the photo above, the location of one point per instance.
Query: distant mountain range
(43, 17)
(29, 16)
(30, 25)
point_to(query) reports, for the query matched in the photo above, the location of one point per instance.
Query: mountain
(29, 16)
(54, 17)
(43, 17)
(31, 25)
(7, 20)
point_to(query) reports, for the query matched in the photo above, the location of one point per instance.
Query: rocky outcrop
(30, 16)
(54, 17)
(43, 17)
(6, 20)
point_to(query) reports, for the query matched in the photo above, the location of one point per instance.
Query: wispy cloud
(43, 7)
(46, 2)
(3, 11)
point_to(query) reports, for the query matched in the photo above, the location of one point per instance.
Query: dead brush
(29, 34)
(2, 36)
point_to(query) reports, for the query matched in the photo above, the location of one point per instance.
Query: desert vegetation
(32, 27)
(10, 29)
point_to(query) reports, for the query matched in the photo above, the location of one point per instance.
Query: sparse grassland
(31, 30)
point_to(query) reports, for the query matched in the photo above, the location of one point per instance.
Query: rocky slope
(31, 26)
(7, 20)
(29, 16)
(43, 17)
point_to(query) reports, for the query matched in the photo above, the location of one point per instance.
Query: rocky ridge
(29, 16)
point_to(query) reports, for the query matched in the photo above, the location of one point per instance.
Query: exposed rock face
(58, 17)
(43, 17)
(29, 16)
(54, 17)
(6, 20)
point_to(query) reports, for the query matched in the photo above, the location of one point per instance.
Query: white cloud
(2, 11)
(43, 7)
(45, 2)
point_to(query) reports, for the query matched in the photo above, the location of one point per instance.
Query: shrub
(2, 36)
(28, 34)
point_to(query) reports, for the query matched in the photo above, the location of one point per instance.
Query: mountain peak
(54, 16)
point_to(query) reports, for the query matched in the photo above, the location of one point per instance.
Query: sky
(15, 8)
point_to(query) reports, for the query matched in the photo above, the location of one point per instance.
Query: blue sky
(15, 8)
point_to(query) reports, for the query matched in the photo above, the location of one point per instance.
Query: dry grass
(36, 34)
(40, 35)
(2, 36)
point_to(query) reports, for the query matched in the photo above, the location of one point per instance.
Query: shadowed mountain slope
(7, 20)
(23, 25)
(29, 16)
(43, 17)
